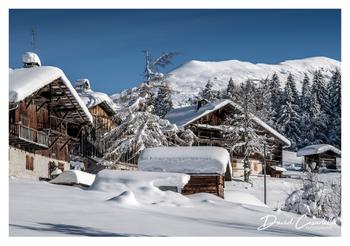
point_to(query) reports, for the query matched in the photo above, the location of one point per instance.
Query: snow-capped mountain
(189, 79)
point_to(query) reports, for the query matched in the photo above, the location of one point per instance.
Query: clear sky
(106, 46)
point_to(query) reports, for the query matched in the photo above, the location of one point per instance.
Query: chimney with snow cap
(30, 59)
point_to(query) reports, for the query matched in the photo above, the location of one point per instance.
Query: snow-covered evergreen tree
(240, 129)
(319, 96)
(208, 93)
(334, 112)
(151, 72)
(316, 198)
(305, 93)
(231, 89)
(263, 102)
(276, 96)
(319, 88)
(289, 120)
(137, 131)
(163, 102)
(295, 95)
(305, 123)
(318, 122)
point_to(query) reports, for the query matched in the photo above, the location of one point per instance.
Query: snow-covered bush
(316, 198)
(137, 131)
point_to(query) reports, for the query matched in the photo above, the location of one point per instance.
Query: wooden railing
(29, 134)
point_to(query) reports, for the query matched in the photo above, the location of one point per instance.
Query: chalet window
(29, 162)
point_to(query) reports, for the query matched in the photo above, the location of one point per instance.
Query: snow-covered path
(43, 209)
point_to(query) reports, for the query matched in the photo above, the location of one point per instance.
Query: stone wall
(17, 164)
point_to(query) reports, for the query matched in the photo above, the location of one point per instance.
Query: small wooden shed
(207, 166)
(322, 155)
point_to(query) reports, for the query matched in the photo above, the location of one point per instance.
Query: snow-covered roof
(186, 115)
(191, 160)
(318, 149)
(25, 81)
(277, 168)
(92, 98)
(70, 177)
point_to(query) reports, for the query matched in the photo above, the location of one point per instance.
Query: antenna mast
(33, 33)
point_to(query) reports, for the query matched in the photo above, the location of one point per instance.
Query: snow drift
(71, 177)
(134, 187)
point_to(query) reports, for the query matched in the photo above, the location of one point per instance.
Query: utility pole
(265, 173)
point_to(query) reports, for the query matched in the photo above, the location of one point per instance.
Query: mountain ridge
(188, 79)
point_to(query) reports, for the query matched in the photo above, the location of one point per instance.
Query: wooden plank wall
(39, 120)
(102, 120)
(208, 184)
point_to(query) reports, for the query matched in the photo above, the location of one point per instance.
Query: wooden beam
(70, 100)
(64, 144)
(41, 105)
(63, 118)
(54, 141)
(30, 101)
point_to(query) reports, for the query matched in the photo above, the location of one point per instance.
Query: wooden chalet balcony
(25, 136)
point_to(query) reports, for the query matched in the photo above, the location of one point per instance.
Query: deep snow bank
(70, 177)
(140, 187)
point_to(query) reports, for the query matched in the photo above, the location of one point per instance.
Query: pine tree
(163, 102)
(240, 129)
(319, 88)
(263, 102)
(276, 96)
(334, 113)
(305, 104)
(208, 93)
(289, 120)
(291, 83)
(305, 93)
(319, 91)
(151, 72)
(317, 128)
(231, 89)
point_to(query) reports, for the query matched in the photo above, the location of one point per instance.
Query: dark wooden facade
(93, 144)
(48, 122)
(213, 184)
(327, 159)
(209, 133)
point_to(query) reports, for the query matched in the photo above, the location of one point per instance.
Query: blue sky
(106, 46)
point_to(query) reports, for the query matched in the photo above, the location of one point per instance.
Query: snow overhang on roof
(318, 149)
(186, 115)
(25, 81)
(92, 99)
(190, 160)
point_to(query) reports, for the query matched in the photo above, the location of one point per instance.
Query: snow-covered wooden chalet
(322, 155)
(207, 166)
(46, 118)
(206, 119)
(102, 109)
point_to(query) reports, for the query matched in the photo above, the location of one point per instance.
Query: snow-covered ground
(133, 206)
(278, 189)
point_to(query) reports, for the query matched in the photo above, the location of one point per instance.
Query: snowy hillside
(188, 79)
